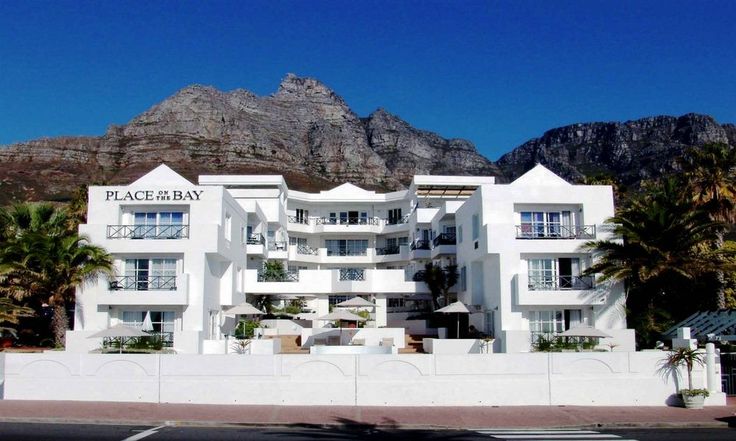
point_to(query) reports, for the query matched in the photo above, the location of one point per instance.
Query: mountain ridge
(308, 133)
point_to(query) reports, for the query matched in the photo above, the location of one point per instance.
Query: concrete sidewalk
(400, 417)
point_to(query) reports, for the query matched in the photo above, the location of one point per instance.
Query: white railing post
(713, 383)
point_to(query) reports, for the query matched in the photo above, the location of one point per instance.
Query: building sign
(151, 195)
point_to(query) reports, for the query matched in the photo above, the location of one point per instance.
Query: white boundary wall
(597, 379)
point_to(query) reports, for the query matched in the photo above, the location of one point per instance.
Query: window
(552, 224)
(164, 224)
(161, 321)
(334, 300)
(349, 247)
(557, 274)
(149, 274)
(546, 323)
(394, 216)
(463, 279)
(404, 241)
(476, 227)
(542, 274)
(459, 234)
(228, 226)
(302, 216)
(396, 303)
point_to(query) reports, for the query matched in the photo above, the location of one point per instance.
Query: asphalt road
(84, 432)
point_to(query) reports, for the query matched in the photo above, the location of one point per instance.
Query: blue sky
(496, 73)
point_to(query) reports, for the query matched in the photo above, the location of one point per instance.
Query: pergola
(717, 325)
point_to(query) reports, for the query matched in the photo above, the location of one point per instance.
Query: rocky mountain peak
(297, 88)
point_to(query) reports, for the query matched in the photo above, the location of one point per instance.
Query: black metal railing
(420, 245)
(147, 231)
(347, 221)
(554, 231)
(560, 283)
(353, 274)
(385, 251)
(287, 276)
(346, 252)
(143, 283)
(397, 220)
(305, 249)
(298, 220)
(277, 246)
(444, 239)
(255, 239)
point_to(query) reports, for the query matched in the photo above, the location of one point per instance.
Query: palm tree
(439, 280)
(11, 313)
(662, 245)
(49, 269)
(711, 186)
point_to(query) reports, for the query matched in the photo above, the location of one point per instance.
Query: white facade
(184, 253)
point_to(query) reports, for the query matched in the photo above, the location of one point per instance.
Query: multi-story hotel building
(185, 253)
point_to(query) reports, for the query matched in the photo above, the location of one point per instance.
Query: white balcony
(335, 282)
(155, 290)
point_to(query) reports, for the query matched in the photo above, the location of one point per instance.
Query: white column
(323, 308)
(381, 311)
(714, 384)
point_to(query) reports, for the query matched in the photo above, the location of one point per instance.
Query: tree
(43, 260)
(10, 313)
(709, 175)
(661, 248)
(273, 271)
(439, 280)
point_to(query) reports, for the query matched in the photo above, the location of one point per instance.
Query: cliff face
(631, 151)
(307, 133)
(304, 131)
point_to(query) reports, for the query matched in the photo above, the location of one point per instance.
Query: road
(91, 432)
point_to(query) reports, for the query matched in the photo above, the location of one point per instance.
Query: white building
(184, 253)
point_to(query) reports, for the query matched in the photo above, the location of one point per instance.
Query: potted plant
(693, 398)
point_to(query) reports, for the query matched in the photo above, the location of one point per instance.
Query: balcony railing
(147, 231)
(444, 239)
(554, 231)
(306, 249)
(560, 283)
(277, 246)
(143, 283)
(346, 252)
(347, 221)
(385, 251)
(420, 245)
(298, 220)
(397, 221)
(287, 276)
(352, 274)
(255, 239)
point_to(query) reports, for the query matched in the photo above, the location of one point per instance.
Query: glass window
(350, 247)
(546, 323)
(476, 227)
(463, 279)
(150, 274)
(542, 274)
(460, 234)
(161, 321)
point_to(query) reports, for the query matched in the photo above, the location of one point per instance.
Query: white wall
(591, 379)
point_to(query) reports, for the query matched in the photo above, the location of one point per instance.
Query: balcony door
(150, 274)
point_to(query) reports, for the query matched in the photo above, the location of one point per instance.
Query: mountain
(630, 151)
(307, 133)
(304, 131)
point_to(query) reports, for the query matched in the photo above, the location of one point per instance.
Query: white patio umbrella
(121, 331)
(455, 308)
(244, 308)
(356, 302)
(584, 331)
(341, 314)
(147, 324)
